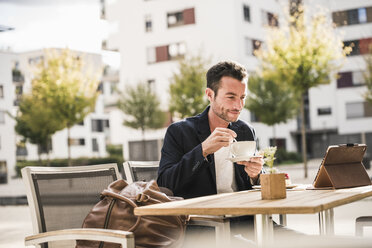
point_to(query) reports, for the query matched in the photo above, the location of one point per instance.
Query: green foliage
(271, 102)
(115, 151)
(65, 84)
(187, 97)
(285, 157)
(304, 54)
(368, 76)
(35, 120)
(142, 107)
(64, 162)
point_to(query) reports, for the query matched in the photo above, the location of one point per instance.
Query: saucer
(241, 158)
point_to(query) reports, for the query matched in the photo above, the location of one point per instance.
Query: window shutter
(162, 53)
(188, 16)
(364, 45)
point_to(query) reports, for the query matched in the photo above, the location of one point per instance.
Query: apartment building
(152, 35)
(338, 112)
(88, 139)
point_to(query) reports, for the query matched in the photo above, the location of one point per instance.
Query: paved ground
(15, 222)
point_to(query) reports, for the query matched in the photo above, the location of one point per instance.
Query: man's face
(230, 98)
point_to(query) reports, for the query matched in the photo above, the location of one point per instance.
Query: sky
(38, 24)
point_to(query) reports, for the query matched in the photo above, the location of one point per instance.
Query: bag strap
(127, 200)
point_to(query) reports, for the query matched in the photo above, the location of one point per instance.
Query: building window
(324, 111)
(251, 46)
(151, 84)
(280, 143)
(95, 147)
(246, 13)
(354, 44)
(17, 75)
(358, 110)
(254, 118)
(179, 18)
(35, 60)
(77, 142)
(1, 91)
(352, 16)
(350, 79)
(2, 117)
(3, 172)
(99, 125)
(148, 23)
(364, 45)
(166, 53)
(269, 19)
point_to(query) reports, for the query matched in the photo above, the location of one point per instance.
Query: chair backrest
(61, 197)
(141, 170)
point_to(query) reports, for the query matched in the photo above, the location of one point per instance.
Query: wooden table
(250, 203)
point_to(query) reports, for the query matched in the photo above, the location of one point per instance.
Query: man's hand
(253, 167)
(219, 138)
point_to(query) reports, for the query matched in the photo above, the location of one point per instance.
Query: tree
(187, 97)
(303, 55)
(272, 103)
(142, 107)
(368, 76)
(66, 85)
(36, 122)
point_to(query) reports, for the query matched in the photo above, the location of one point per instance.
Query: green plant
(268, 154)
(285, 157)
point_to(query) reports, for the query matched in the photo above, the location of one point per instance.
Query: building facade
(88, 139)
(152, 35)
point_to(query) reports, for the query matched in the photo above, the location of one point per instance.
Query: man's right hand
(219, 137)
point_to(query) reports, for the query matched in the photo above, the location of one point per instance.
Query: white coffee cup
(243, 148)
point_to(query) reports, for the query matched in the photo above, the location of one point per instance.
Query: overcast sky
(37, 24)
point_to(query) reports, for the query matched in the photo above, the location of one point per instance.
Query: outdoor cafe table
(250, 203)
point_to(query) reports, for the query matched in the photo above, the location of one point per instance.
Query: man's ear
(209, 93)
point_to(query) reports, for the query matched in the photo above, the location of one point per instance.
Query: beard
(224, 114)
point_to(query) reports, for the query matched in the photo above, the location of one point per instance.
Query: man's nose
(239, 104)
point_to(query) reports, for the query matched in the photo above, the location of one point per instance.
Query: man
(193, 160)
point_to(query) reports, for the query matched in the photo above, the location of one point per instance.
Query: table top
(250, 203)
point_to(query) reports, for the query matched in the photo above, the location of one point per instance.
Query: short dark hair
(223, 69)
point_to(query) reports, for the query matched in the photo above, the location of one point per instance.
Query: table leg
(283, 219)
(264, 229)
(326, 222)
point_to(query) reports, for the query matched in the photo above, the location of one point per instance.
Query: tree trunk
(39, 154)
(68, 147)
(274, 136)
(303, 134)
(47, 147)
(144, 144)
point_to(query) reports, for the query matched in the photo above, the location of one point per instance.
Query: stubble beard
(223, 114)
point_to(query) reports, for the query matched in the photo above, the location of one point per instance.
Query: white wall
(7, 134)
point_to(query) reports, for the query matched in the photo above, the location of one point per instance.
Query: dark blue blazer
(183, 168)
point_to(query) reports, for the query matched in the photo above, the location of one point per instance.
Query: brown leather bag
(115, 211)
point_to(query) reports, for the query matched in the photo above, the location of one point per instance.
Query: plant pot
(273, 186)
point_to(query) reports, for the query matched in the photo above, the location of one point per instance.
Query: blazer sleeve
(179, 164)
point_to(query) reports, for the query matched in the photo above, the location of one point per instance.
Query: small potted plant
(272, 183)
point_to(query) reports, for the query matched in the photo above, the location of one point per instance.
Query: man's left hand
(253, 167)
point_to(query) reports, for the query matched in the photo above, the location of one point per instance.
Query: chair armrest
(126, 239)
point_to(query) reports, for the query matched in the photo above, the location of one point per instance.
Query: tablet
(342, 167)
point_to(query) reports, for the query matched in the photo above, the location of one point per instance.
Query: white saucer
(242, 158)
